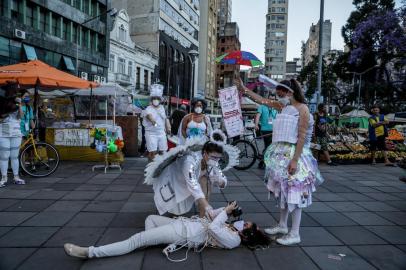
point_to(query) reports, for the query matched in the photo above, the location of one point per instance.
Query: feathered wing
(231, 157)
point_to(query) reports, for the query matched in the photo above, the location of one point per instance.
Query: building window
(138, 78)
(121, 65)
(75, 34)
(122, 33)
(111, 62)
(29, 18)
(65, 26)
(130, 69)
(42, 20)
(145, 79)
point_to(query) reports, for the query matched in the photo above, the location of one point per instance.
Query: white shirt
(158, 114)
(10, 126)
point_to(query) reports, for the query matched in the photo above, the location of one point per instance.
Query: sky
(250, 16)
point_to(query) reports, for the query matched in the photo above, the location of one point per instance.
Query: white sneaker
(289, 239)
(275, 230)
(18, 181)
(3, 181)
(76, 251)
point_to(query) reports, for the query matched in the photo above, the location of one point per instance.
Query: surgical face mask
(156, 102)
(239, 225)
(212, 162)
(198, 110)
(284, 100)
(26, 99)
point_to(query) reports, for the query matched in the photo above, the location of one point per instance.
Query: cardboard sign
(231, 108)
(72, 137)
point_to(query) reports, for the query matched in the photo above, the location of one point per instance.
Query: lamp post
(112, 12)
(320, 64)
(192, 55)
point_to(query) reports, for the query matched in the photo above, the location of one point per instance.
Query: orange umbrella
(40, 75)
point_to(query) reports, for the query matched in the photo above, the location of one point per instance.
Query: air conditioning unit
(180, 24)
(96, 78)
(102, 80)
(191, 18)
(19, 34)
(83, 75)
(185, 28)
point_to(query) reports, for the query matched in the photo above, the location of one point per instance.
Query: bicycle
(38, 159)
(249, 150)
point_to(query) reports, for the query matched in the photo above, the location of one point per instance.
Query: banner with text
(231, 108)
(72, 137)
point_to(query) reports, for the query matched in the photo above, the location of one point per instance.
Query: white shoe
(3, 181)
(76, 251)
(275, 230)
(289, 239)
(18, 180)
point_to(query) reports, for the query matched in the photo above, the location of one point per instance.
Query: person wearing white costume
(178, 176)
(192, 232)
(156, 123)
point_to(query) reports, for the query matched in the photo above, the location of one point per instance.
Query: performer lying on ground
(182, 232)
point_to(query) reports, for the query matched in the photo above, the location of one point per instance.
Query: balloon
(92, 132)
(112, 147)
(100, 148)
(119, 143)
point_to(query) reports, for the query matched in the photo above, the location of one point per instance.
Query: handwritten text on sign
(72, 137)
(231, 108)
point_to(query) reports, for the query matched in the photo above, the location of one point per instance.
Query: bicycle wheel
(248, 154)
(40, 163)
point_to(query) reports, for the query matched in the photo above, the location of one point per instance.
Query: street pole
(320, 65)
(359, 91)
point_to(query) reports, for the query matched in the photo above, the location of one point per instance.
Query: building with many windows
(207, 52)
(224, 15)
(53, 32)
(311, 47)
(276, 38)
(169, 28)
(130, 65)
(293, 68)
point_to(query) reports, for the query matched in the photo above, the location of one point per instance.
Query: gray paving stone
(356, 235)
(261, 219)
(6, 203)
(14, 218)
(371, 183)
(68, 206)
(356, 197)
(16, 193)
(392, 234)
(112, 235)
(345, 206)
(30, 205)
(89, 219)
(332, 219)
(276, 258)
(218, 259)
(140, 207)
(389, 189)
(100, 181)
(306, 220)
(85, 187)
(240, 197)
(328, 197)
(351, 260)
(104, 206)
(12, 257)
(398, 218)
(317, 236)
(66, 186)
(383, 257)
(362, 189)
(129, 220)
(27, 236)
(317, 207)
(130, 261)
(47, 194)
(128, 188)
(141, 197)
(78, 236)
(49, 219)
(80, 195)
(155, 259)
(380, 196)
(113, 196)
(51, 259)
(402, 247)
(367, 218)
(252, 207)
(377, 206)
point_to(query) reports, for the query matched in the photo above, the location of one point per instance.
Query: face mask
(198, 110)
(284, 100)
(212, 162)
(239, 225)
(156, 102)
(26, 99)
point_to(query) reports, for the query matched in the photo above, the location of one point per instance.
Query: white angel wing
(231, 157)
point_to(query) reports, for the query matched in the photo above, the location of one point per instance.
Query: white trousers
(158, 230)
(156, 142)
(9, 149)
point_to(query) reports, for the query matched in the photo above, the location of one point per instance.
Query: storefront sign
(231, 108)
(72, 137)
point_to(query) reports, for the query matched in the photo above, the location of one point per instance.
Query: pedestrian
(27, 120)
(196, 124)
(181, 232)
(10, 136)
(263, 123)
(378, 131)
(156, 124)
(291, 170)
(176, 118)
(320, 131)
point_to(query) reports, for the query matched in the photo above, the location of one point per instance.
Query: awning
(68, 63)
(30, 52)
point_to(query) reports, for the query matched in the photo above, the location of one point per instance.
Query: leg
(4, 156)
(283, 217)
(161, 235)
(154, 221)
(327, 156)
(14, 151)
(152, 146)
(373, 157)
(296, 218)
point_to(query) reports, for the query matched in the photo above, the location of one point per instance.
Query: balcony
(123, 79)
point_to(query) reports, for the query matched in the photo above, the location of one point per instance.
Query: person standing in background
(320, 131)
(176, 118)
(27, 119)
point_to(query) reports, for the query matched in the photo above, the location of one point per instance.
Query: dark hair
(253, 237)
(295, 86)
(195, 100)
(375, 106)
(321, 106)
(7, 105)
(210, 147)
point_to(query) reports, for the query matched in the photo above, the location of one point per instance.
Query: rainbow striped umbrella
(239, 58)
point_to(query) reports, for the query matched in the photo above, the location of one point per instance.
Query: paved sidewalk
(360, 212)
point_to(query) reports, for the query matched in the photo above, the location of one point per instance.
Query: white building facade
(130, 65)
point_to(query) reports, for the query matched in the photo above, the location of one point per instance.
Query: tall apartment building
(227, 43)
(224, 15)
(276, 38)
(207, 52)
(311, 47)
(169, 28)
(52, 32)
(293, 68)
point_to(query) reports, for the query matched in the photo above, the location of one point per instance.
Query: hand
(256, 127)
(292, 167)
(240, 86)
(230, 207)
